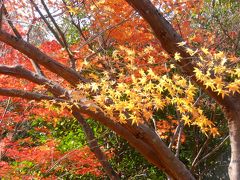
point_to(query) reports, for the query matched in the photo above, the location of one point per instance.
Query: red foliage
(5, 168)
(48, 159)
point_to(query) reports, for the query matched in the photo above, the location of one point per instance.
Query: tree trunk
(233, 116)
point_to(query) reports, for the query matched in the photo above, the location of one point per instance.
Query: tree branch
(65, 44)
(24, 94)
(10, 22)
(20, 72)
(39, 57)
(172, 165)
(212, 152)
(57, 90)
(47, 23)
(139, 144)
(199, 152)
(35, 65)
(1, 13)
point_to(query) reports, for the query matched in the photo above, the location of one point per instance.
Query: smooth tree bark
(233, 117)
(169, 38)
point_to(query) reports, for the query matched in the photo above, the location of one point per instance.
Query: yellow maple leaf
(135, 119)
(219, 69)
(198, 73)
(172, 66)
(191, 52)
(181, 109)
(73, 10)
(148, 49)
(205, 50)
(219, 55)
(186, 119)
(233, 87)
(130, 52)
(151, 73)
(143, 80)
(209, 83)
(177, 56)
(149, 86)
(122, 118)
(218, 81)
(237, 72)
(182, 43)
(221, 91)
(142, 72)
(130, 106)
(165, 55)
(151, 60)
(121, 87)
(94, 87)
(159, 103)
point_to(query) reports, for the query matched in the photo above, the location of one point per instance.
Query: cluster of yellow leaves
(216, 71)
(136, 101)
(72, 9)
(51, 105)
(129, 61)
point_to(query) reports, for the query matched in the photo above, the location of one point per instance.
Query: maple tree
(101, 60)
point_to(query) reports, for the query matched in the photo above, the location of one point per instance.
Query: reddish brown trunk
(233, 116)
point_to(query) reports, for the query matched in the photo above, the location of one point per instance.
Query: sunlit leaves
(138, 99)
(94, 87)
(136, 93)
(177, 56)
(182, 43)
(73, 10)
(205, 51)
(214, 70)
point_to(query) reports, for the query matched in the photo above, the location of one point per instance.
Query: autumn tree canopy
(145, 69)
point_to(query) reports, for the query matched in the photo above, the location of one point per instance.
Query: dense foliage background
(43, 140)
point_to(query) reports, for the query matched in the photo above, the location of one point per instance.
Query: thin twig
(103, 31)
(10, 22)
(179, 139)
(213, 151)
(200, 151)
(5, 110)
(47, 23)
(65, 44)
(1, 13)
